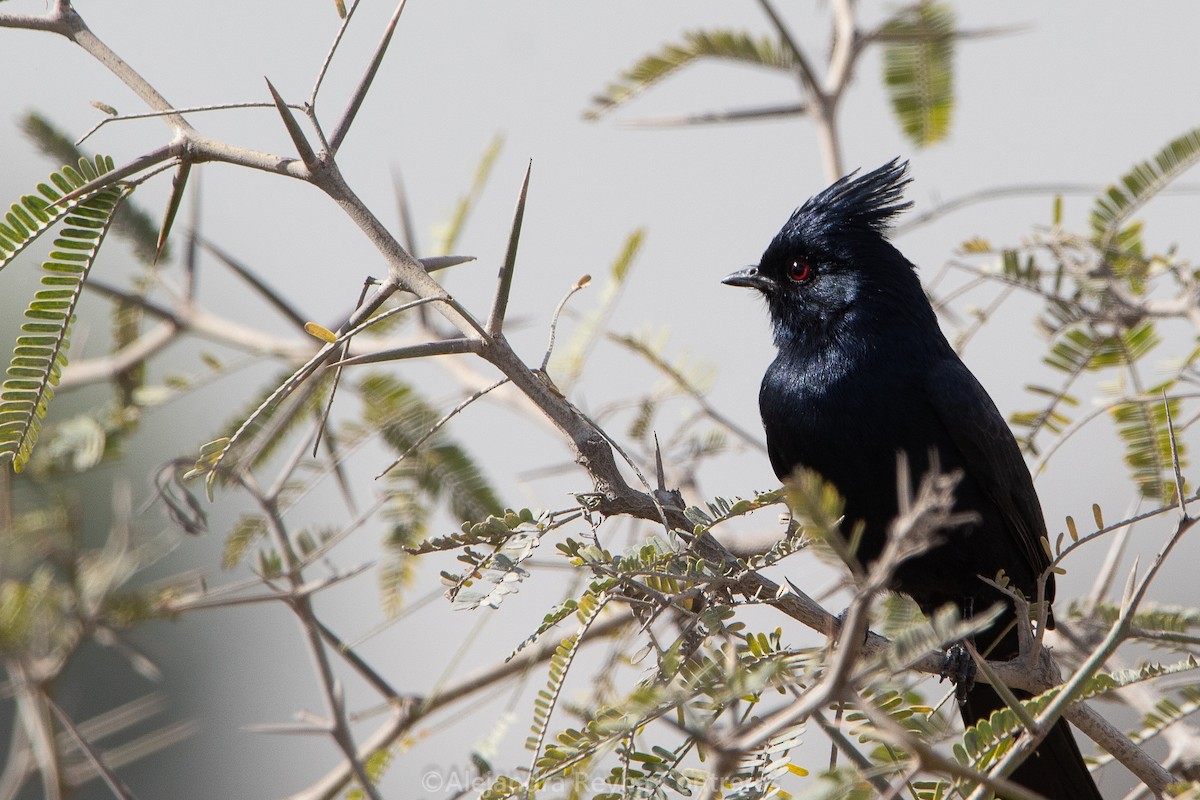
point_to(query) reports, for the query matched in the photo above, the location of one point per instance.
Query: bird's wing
(990, 455)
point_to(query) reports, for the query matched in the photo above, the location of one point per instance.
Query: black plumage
(864, 372)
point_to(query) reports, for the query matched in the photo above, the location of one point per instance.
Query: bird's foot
(959, 667)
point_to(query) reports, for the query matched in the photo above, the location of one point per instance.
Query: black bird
(863, 373)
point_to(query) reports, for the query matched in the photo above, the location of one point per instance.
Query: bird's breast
(848, 421)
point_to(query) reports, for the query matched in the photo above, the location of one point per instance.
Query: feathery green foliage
(246, 531)
(492, 530)
(837, 784)
(721, 509)
(492, 577)
(1153, 619)
(435, 470)
(582, 607)
(918, 70)
(905, 706)
(257, 432)
(736, 46)
(1141, 423)
(1122, 199)
(923, 636)
(1167, 712)
(560, 663)
(432, 469)
(990, 739)
(702, 687)
(817, 509)
(126, 326)
(33, 215)
(814, 503)
(32, 609)
(1097, 294)
(41, 350)
(376, 764)
(132, 223)
(1149, 450)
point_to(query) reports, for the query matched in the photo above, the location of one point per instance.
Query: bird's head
(831, 261)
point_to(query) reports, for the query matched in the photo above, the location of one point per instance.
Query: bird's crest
(866, 203)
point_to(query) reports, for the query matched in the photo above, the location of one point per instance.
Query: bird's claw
(959, 667)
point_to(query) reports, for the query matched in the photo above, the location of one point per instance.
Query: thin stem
(562, 304)
(361, 667)
(260, 286)
(1143, 766)
(337, 40)
(115, 784)
(715, 117)
(301, 605)
(808, 75)
(441, 423)
(415, 709)
(175, 111)
(445, 347)
(931, 759)
(844, 745)
(692, 391)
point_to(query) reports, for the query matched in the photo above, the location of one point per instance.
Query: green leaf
(918, 70)
(1121, 200)
(432, 467)
(1151, 618)
(395, 573)
(1142, 426)
(131, 224)
(583, 607)
(33, 215)
(38, 361)
(248, 530)
(724, 44)
(817, 506)
(560, 664)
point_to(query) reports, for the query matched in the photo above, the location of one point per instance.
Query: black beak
(751, 279)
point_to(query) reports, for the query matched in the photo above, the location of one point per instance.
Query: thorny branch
(318, 167)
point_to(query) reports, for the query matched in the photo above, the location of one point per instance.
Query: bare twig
(714, 117)
(268, 292)
(580, 284)
(413, 709)
(337, 40)
(173, 112)
(437, 426)
(301, 605)
(115, 784)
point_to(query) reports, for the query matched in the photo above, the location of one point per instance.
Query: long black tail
(1056, 769)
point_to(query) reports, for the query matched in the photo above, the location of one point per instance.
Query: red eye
(800, 271)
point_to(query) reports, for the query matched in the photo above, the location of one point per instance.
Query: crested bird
(863, 374)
